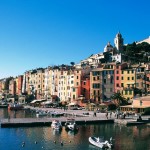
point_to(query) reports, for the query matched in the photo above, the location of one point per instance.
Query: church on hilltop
(110, 54)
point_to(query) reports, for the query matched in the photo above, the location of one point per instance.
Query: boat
(41, 113)
(56, 125)
(3, 104)
(15, 106)
(96, 141)
(55, 114)
(70, 124)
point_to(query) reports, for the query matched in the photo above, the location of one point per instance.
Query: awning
(39, 100)
(130, 106)
(71, 104)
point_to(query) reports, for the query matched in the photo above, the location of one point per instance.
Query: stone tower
(118, 41)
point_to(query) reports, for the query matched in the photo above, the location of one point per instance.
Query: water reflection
(72, 133)
(56, 132)
(131, 137)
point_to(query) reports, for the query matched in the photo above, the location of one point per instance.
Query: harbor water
(38, 138)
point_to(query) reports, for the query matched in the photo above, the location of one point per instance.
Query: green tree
(136, 53)
(72, 63)
(119, 99)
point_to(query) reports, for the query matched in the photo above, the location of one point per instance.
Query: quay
(78, 115)
(26, 122)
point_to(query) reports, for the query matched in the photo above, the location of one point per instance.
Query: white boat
(55, 113)
(71, 125)
(100, 143)
(41, 113)
(56, 124)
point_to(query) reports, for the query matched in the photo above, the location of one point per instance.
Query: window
(74, 89)
(84, 83)
(122, 72)
(73, 96)
(111, 89)
(93, 78)
(121, 78)
(132, 78)
(104, 73)
(128, 78)
(95, 73)
(117, 72)
(111, 80)
(122, 84)
(141, 84)
(96, 85)
(104, 81)
(84, 90)
(117, 78)
(128, 72)
(126, 92)
(130, 92)
(117, 85)
(94, 92)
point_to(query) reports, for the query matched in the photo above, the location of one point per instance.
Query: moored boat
(41, 113)
(56, 124)
(100, 143)
(71, 124)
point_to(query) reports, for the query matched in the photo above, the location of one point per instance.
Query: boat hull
(95, 141)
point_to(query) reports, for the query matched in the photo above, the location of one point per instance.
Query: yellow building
(40, 80)
(128, 83)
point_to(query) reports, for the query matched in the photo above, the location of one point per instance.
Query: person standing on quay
(110, 114)
(8, 118)
(107, 115)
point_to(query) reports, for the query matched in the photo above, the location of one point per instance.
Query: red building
(85, 87)
(20, 80)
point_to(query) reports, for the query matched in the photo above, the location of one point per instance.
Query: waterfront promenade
(81, 117)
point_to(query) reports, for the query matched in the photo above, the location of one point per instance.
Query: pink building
(117, 77)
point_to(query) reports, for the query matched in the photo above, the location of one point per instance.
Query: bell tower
(118, 41)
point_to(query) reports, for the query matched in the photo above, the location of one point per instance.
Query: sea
(45, 138)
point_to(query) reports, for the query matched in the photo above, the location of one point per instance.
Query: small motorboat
(56, 125)
(100, 143)
(71, 125)
(41, 113)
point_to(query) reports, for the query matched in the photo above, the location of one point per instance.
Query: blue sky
(41, 33)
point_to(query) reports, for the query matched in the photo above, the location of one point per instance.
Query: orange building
(85, 87)
(140, 105)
